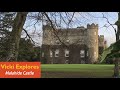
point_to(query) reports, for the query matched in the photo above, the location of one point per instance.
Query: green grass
(77, 70)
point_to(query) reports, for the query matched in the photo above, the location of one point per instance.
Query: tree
(15, 35)
(116, 68)
(6, 21)
(116, 60)
(113, 50)
(26, 50)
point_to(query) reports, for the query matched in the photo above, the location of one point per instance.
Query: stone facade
(81, 45)
(102, 43)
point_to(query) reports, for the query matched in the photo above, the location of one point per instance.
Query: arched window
(82, 53)
(51, 53)
(57, 53)
(66, 53)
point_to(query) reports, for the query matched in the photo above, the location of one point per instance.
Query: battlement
(101, 41)
(82, 27)
(89, 26)
(92, 26)
(101, 37)
(47, 27)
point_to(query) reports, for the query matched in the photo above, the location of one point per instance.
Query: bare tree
(17, 28)
(15, 35)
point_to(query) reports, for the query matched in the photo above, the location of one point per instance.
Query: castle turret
(46, 42)
(47, 34)
(92, 42)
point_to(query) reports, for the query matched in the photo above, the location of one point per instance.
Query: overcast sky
(82, 19)
(108, 32)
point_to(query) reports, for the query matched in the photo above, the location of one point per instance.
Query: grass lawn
(77, 70)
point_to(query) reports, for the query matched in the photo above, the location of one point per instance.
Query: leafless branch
(71, 18)
(110, 23)
(54, 30)
(28, 35)
(63, 19)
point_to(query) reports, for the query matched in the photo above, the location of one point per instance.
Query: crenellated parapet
(92, 26)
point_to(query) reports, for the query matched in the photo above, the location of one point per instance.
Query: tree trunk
(15, 35)
(116, 67)
(116, 61)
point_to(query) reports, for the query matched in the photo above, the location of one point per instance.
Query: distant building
(102, 43)
(82, 45)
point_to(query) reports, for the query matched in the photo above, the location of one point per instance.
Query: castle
(82, 45)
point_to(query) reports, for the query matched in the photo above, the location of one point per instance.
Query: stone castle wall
(76, 39)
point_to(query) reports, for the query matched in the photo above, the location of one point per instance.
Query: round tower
(92, 42)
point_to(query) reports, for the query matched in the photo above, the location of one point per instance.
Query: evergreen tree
(6, 21)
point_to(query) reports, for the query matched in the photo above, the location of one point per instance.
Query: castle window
(82, 53)
(94, 33)
(67, 40)
(87, 53)
(66, 53)
(57, 53)
(94, 53)
(51, 53)
(42, 54)
(95, 40)
(51, 42)
(57, 42)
